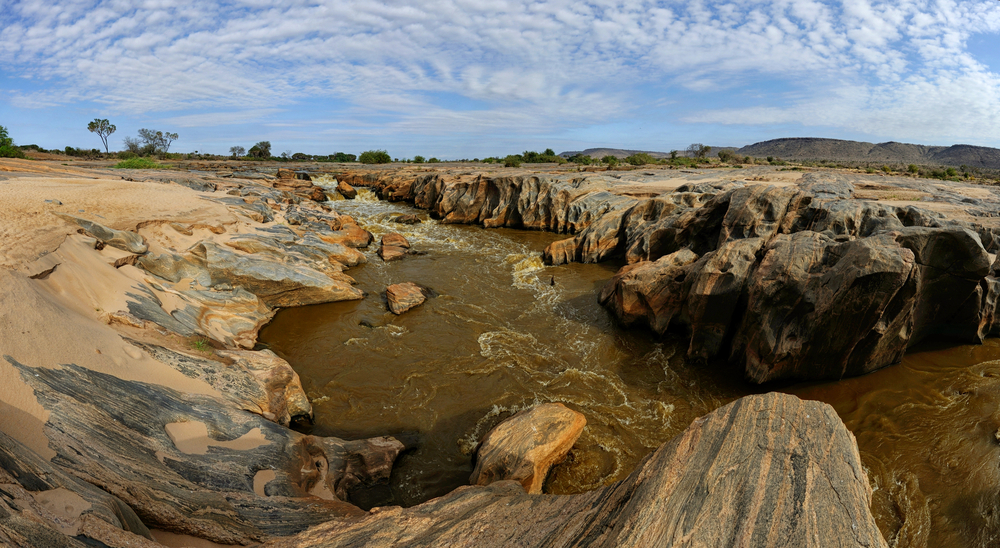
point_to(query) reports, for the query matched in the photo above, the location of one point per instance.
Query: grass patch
(201, 345)
(139, 163)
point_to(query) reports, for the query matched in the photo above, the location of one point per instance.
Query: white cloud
(876, 67)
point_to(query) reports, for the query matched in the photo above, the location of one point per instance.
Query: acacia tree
(156, 141)
(237, 151)
(261, 150)
(699, 150)
(103, 128)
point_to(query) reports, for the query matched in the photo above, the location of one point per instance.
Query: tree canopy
(103, 128)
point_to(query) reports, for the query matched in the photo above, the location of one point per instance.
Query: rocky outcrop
(126, 241)
(527, 445)
(275, 283)
(768, 470)
(404, 296)
(195, 464)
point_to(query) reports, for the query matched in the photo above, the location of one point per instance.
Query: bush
(951, 172)
(640, 159)
(342, 157)
(418, 159)
(512, 160)
(433, 161)
(8, 151)
(887, 169)
(138, 163)
(581, 159)
(913, 168)
(610, 160)
(729, 157)
(375, 157)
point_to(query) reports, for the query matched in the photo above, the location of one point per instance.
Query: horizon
(463, 79)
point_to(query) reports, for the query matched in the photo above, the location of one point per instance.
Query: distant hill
(810, 148)
(623, 153)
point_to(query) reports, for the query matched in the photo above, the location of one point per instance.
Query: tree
(7, 148)
(261, 150)
(237, 151)
(103, 128)
(699, 150)
(549, 152)
(342, 157)
(418, 159)
(156, 141)
(610, 160)
(5, 140)
(375, 157)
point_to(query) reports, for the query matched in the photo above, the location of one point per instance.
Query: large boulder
(346, 190)
(767, 470)
(527, 445)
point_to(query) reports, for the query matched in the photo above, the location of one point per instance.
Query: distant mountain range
(809, 148)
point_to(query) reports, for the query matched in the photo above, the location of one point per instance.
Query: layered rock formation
(757, 274)
(768, 470)
(404, 296)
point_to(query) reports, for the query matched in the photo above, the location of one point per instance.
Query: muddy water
(499, 336)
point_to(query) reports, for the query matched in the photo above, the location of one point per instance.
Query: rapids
(505, 332)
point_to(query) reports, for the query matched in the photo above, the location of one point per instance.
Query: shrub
(433, 161)
(8, 151)
(138, 163)
(581, 159)
(342, 157)
(610, 160)
(728, 157)
(640, 159)
(261, 150)
(698, 150)
(375, 157)
(913, 168)
(418, 159)
(951, 172)
(513, 160)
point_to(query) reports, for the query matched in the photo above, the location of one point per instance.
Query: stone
(391, 252)
(527, 445)
(126, 241)
(395, 239)
(195, 464)
(346, 190)
(766, 470)
(275, 283)
(404, 296)
(409, 219)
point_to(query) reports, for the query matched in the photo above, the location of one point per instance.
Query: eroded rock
(524, 447)
(404, 296)
(346, 190)
(121, 239)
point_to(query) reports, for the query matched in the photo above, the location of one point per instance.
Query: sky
(476, 78)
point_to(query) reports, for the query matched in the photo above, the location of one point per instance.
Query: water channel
(504, 332)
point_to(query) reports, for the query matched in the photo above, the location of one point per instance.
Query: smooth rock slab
(391, 252)
(527, 445)
(404, 296)
(395, 239)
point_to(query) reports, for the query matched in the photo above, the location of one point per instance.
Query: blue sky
(471, 78)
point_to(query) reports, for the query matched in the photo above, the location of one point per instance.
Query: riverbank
(175, 324)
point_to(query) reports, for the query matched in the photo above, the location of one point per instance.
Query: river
(504, 332)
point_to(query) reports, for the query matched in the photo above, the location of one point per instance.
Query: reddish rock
(346, 190)
(526, 446)
(407, 219)
(404, 296)
(391, 252)
(395, 239)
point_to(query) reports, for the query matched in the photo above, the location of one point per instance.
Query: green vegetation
(375, 157)
(698, 150)
(418, 159)
(7, 148)
(512, 160)
(260, 151)
(640, 159)
(582, 159)
(201, 345)
(612, 161)
(138, 163)
(342, 157)
(729, 157)
(236, 151)
(103, 128)
(433, 160)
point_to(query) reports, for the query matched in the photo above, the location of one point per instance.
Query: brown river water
(505, 332)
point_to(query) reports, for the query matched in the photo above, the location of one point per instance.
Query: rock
(346, 190)
(391, 252)
(193, 464)
(395, 239)
(126, 241)
(404, 296)
(257, 381)
(275, 283)
(55, 202)
(524, 447)
(765, 470)
(406, 219)
(350, 235)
